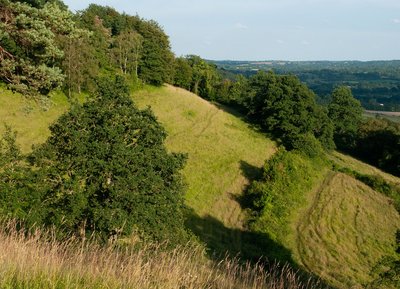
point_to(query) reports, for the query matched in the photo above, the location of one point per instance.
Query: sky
(272, 29)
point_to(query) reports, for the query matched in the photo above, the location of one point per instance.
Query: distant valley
(375, 83)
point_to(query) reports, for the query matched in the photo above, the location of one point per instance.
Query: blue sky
(272, 29)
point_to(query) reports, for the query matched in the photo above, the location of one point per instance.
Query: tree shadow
(249, 246)
(251, 173)
(246, 246)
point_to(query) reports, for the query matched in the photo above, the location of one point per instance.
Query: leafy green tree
(286, 108)
(105, 169)
(79, 63)
(183, 73)
(156, 63)
(378, 142)
(41, 3)
(126, 51)
(29, 52)
(346, 113)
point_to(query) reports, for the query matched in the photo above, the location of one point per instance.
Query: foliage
(378, 142)
(307, 144)
(29, 51)
(105, 170)
(346, 113)
(286, 108)
(183, 73)
(79, 64)
(17, 182)
(156, 63)
(197, 75)
(374, 83)
(126, 51)
(129, 44)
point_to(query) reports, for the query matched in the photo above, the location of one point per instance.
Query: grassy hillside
(223, 151)
(30, 118)
(38, 261)
(346, 229)
(338, 233)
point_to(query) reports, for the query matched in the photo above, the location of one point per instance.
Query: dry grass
(39, 261)
(347, 228)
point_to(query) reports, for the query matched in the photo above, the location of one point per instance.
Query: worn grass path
(223, 151)
(346, 229)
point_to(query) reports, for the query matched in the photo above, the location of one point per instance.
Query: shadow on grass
(247, 246)
(253, 247)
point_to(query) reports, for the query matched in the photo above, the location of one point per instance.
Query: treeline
(44, 46)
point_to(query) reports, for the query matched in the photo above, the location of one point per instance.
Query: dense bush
(287, 176)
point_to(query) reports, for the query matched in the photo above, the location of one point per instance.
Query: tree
(29, 52)
(105, 170)
(79, 64)
(156, 63)
(183, 73)
(346, 114)
(126, 51)
(286, 108)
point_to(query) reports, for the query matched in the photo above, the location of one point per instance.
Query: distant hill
(375, 83)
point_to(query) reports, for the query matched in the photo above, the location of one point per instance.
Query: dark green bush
(307, 144)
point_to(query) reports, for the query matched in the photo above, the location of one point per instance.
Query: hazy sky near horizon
(272, 29)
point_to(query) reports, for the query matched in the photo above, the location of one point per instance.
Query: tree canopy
(29, 51)
(105, 170)
(346, 112)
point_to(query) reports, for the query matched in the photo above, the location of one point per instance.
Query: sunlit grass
(221, 148)
(344, 232)
(31, 119)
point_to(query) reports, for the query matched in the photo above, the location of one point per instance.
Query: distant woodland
(375, 83)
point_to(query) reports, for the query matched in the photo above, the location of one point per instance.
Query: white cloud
(240, 26)
(396, 21)
(280, 41)
(305, 42)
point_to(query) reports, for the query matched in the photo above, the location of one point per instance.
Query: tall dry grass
(38, 260)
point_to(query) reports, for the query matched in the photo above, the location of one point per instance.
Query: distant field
(346, 229)
(390, 115)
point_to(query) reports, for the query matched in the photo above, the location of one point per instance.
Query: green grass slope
(29, 118)
(223, 151)
(345, 230)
